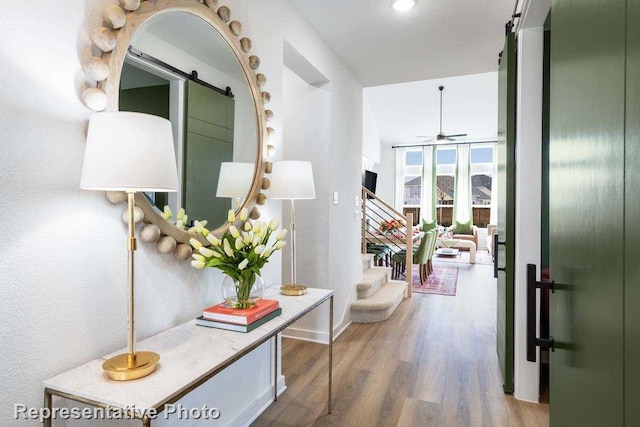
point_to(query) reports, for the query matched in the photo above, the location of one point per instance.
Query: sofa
(492, 232)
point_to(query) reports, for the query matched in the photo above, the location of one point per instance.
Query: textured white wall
(370, 138)
(63, 258)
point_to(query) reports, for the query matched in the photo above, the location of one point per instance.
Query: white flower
(247, 226)
(231, 216)
(206, 252)
(263, 231)
(256, 240)
(257, 226)
(246, 238)
(280, 244)
(244, 214)
(243, 264)
(216, 254)
(239, 243)
(199, 226)
(227, 248)
(234, 231)
(281, 235)
(273, 224)
(213, 239)
(204, 222)
(197, 264)
(198, 257)
(181, 214)
(259, 249)
(267, 253)
(180, 224)
(195, 243)
(167, 213)
(185, 220)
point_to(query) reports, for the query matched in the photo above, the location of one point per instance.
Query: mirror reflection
(180, 68)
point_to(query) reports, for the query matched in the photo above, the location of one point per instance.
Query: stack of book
(222, 316)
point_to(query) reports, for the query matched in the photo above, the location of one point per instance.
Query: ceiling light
(403, 5)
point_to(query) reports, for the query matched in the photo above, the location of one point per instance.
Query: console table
(189, 356)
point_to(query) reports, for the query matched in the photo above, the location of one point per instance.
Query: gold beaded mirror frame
(121, 22)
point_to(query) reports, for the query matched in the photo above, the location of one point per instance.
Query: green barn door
(506, 209)
(209, 142)
(586, 207)
(632, 219)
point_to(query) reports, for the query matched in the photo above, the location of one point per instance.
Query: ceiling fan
(442, 136)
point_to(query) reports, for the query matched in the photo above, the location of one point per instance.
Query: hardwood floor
(433, 363)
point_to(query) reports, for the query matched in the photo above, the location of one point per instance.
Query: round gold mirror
(183, 60)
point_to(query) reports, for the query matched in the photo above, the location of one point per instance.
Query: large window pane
(412, 190)
(413, 158)
(446, 185)
(482, 155)
(446, 156)
(481, 190)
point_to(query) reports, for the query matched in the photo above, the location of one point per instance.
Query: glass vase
(242, 293)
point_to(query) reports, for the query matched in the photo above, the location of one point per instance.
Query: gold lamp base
(293, 290)
(124, 367)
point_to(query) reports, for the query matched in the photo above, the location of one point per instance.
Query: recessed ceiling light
(403, 5)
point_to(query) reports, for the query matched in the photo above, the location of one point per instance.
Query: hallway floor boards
(433, 363)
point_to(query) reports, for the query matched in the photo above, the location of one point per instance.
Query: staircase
(378, 295)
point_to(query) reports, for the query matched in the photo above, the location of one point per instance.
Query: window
(481, 159)
(412, 178)
(412, 190)
(445, 184)
(481, 181)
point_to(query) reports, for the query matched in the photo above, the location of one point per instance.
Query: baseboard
(258, 406)
(315, 336)
(525, 400)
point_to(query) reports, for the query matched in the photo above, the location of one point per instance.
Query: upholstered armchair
(473, 237)
(492, 231)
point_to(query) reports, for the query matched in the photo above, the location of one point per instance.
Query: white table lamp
(292, 180)
(235, 180)
(129, 152)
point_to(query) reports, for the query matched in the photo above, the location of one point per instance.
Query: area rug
(483, 257)
(442, 281)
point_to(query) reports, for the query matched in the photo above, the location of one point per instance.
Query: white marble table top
(187, 354)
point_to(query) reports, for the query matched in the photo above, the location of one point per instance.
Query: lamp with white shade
(292, 180)
(235, 180)
(130, 152)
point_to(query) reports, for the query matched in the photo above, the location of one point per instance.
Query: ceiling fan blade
(450, 139)
(428, 140)
(424, 136)
(456, 135)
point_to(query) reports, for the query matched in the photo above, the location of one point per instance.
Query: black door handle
(495, 256)
(532, 318)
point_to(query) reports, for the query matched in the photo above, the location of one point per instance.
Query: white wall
(63, 255)
(528, 198)
(320, 126)
(370, 138)
(528, 183)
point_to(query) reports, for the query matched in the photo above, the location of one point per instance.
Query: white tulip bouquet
(239, 253)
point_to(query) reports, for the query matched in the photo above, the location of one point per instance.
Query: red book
(240, 316)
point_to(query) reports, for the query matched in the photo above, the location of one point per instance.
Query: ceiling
(437, 38)
(403, 111)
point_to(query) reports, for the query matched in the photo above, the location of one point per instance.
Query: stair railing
(380, 231)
